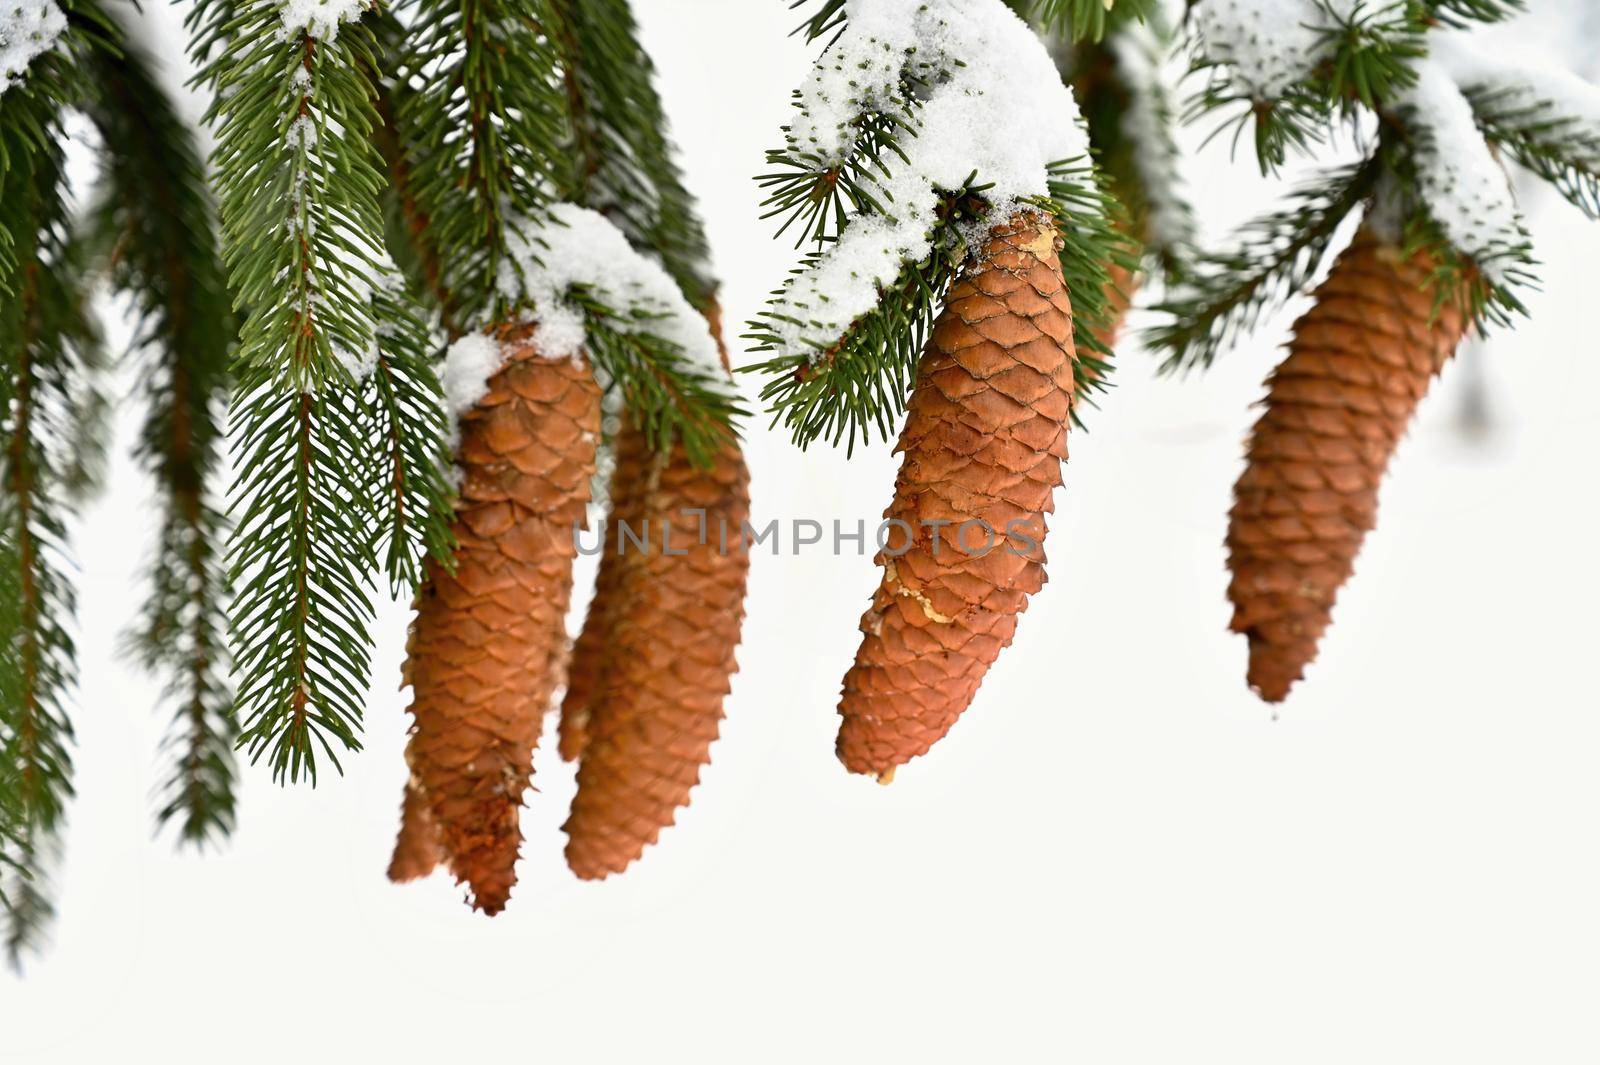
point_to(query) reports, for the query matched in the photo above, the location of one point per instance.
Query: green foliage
(335, 414)
(47, 344)
(1462, 13)
(406, 423)
(620, 161)
(154, 225)
(1226, 293)
(1557, 148)
(482, 122)
(52, 414)
(1088, 20)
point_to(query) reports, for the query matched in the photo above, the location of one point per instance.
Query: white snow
(1570, 100)
(1272, 44)
(1460, 182)
(995, 106)
(580, 248)
(1139, 54)
(320, 18)
(28, 29)
(468, 365)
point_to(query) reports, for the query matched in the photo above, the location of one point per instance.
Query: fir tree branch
(1462, 13)
(1554, 146)
(1088, 20)
(303, 238)
(858, 387)
(410, 230)
(299, 561)
(156, 223)
(1362, 56)
(1274, 257)
(485, 124)
(623, 164)
(407, 423)
(40, 330)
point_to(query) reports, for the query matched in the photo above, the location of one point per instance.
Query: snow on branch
(1459, 182)
(28, 29)
(1272, 45)
(1545, 118)
(320, 18)
(987, 112)
(573, 253)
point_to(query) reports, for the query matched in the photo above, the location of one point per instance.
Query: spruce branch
(857, 388)
(622, 162)
(156, 225)
(43, 334)
(1462, 13)
(299, 561)
(1227, 292)
(304, 240)
(1357, 58)
(407, 422)
(1088, 20)
(483, 123)
(1539, 136)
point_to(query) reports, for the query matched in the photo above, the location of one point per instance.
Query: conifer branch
(1226, 293)
(624, 165)
(304, 241)
(155, 223)
(855, 383)
(483, 121)
(406, 423)
(1554, 146)
(1088, 20)
(42, 333)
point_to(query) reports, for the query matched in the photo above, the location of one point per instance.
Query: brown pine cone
(1336, 407)
(664, 659)
(1120, 289)
(629, 490)
(417, 852)
(487, 642)
(984, 439)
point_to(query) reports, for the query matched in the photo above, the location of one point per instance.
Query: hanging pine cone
(417, 852)
(487, 641)
(1336, 407)
(660, 650)
(984, 439)
(586, 667)
(1120, 290)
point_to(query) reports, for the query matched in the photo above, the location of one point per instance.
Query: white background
(1119, 855)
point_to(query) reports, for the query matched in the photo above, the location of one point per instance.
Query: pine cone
(663, 651)
(630, 480)
(488, 640)
(417, 852)
(984, 439)
(1120, 289)
(629, 491)
(1336, 407)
